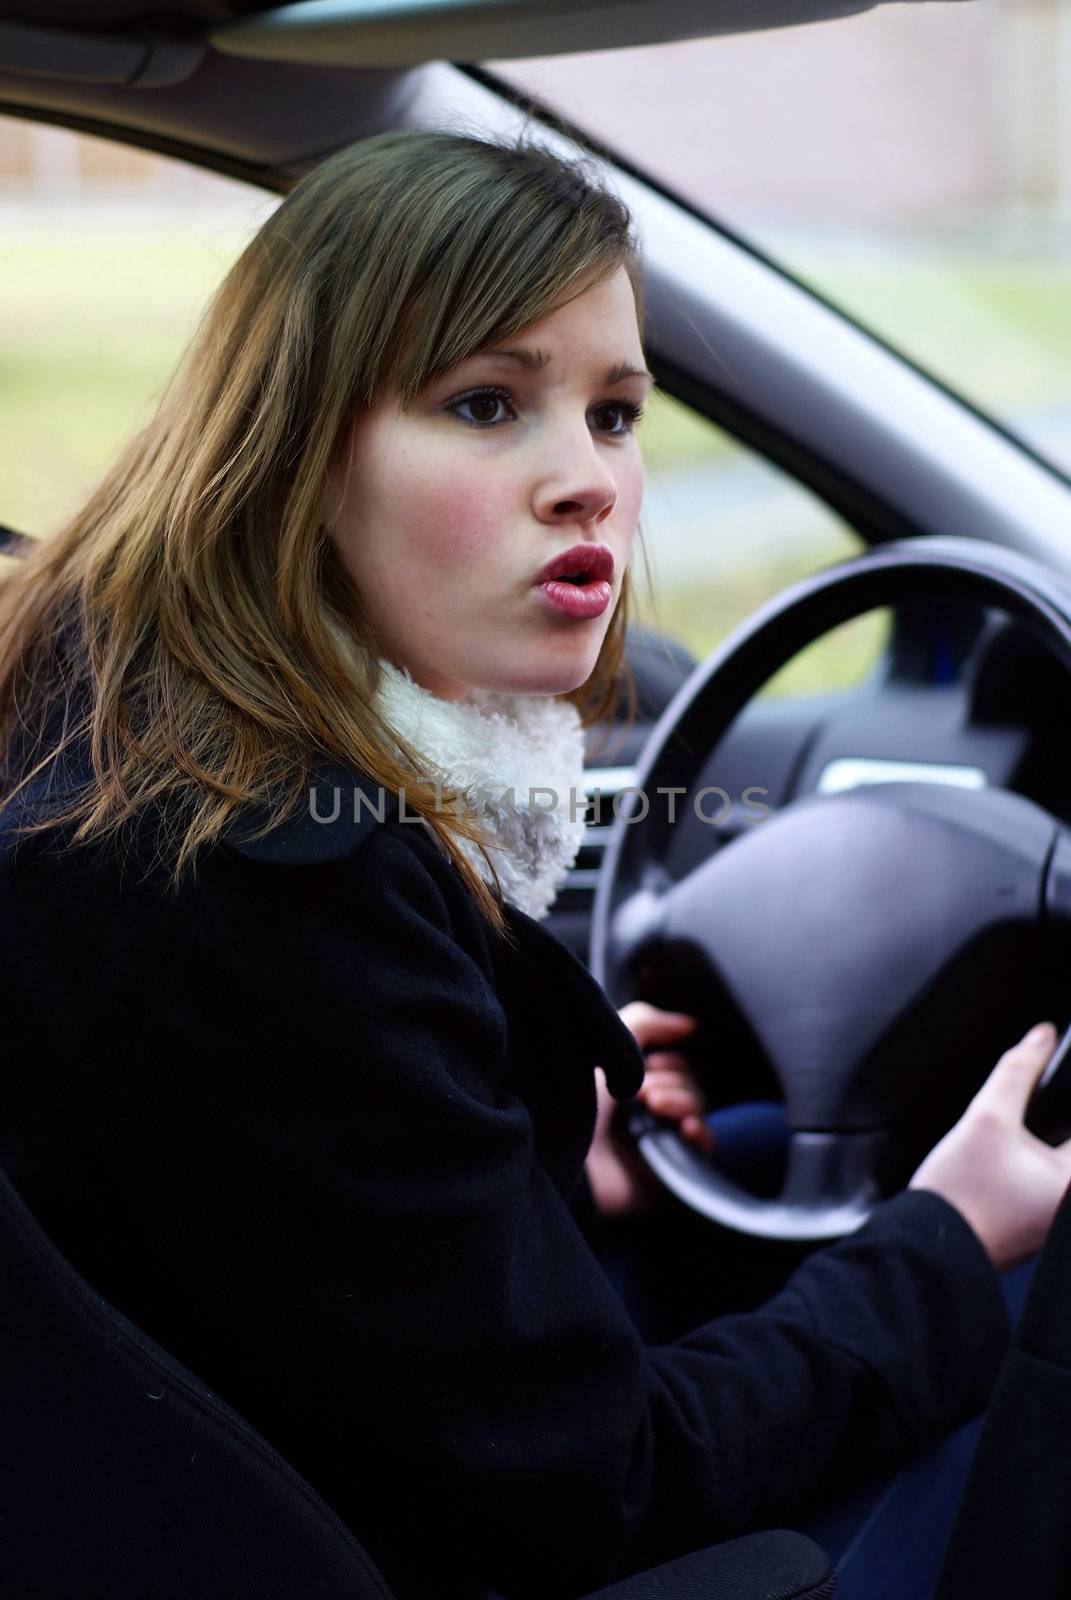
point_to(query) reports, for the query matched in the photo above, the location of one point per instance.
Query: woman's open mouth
(577, 582)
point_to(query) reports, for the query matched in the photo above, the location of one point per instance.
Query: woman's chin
(543, 667)
(561, 680)
(554, 669)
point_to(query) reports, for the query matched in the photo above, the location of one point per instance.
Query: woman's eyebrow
(532, 360)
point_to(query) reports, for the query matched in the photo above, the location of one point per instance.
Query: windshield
(912, 164)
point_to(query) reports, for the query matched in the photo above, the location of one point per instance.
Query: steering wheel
(873, 944)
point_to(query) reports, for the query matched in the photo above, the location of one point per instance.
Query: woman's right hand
(1006, 1182)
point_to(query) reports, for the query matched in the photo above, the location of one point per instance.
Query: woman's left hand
(621, 1181)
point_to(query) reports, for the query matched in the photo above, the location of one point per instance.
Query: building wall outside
(903, 114)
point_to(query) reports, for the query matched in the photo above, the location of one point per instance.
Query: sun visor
(394, 33)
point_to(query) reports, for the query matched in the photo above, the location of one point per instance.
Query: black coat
(323, 1138)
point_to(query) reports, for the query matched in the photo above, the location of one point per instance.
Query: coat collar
(518, 761)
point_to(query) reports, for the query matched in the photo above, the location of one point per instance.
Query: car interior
(849, 872)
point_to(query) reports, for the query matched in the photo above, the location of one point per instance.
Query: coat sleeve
(398, 1296)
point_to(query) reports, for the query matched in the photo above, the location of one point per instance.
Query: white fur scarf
(518, 761)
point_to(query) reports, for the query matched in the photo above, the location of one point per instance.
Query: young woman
(293, 1073)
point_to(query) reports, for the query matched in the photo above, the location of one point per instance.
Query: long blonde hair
(193, 621)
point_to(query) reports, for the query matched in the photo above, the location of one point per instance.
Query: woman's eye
(483, 406)
(618, 416)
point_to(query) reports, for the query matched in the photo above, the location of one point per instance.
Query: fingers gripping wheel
(852, 934)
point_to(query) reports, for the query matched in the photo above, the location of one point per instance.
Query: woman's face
(447, 513)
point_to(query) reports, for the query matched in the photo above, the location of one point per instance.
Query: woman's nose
(577, 486)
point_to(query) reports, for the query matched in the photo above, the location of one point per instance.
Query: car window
(913, 164)
(724, 530)
(110, 255)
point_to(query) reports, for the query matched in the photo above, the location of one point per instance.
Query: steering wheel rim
(835, 1174)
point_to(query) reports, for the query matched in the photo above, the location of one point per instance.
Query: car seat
(122, 1477)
